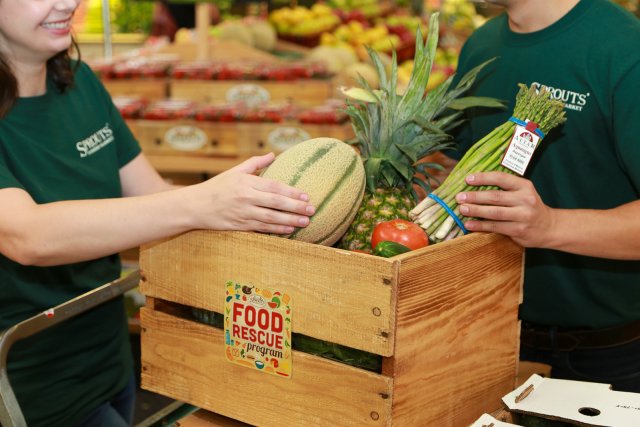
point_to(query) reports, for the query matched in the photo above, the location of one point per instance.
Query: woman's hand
(237, 199)
(517, 212)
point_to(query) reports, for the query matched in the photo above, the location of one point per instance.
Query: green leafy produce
(394, 133)
(337, 352)
(484, 156)
(132, 16)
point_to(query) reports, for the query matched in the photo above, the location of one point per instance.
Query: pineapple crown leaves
(394, 131)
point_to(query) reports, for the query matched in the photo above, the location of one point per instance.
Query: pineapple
(394, 132)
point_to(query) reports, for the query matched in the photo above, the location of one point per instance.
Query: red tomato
(406, 233)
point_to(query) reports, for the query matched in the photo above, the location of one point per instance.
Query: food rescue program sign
(257, 328)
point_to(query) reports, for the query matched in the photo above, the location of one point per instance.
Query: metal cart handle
(10, 413)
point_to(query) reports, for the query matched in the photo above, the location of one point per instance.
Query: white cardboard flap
(487, 420)
(584, 403)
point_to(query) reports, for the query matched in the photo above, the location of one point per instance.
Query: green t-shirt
(591, 60)
(63, 147)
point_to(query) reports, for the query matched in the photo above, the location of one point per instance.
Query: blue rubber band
(538, 131)
(449, 211)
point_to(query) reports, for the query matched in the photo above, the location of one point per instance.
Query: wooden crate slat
(149, 89)
(254, 138)
(221, 140)
(226, 139)
(207, 165)
(305, 92)
(185, 360)
(210, 419)
(339, 296)
(457, 330)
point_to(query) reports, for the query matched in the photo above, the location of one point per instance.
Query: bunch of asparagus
(485, 155)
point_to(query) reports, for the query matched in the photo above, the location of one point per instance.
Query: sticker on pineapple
(257, 328)
(250, 94)
(185, 138)
(285, 137)
(520, 150)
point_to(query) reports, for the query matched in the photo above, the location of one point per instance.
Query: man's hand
(517, 211)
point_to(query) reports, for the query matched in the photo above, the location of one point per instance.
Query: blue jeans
(618, 366)
(116, 412)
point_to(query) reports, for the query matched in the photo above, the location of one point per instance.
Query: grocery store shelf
(193, 164)
(116, 38)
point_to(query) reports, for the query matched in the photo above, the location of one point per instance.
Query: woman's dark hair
(59, 67)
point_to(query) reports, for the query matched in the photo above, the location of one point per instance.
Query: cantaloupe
(352, 73)
(264, 35)
(332, 173)
(335, 58)
(235, 30)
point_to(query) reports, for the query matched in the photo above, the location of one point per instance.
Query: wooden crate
(304, 92)
(444, 318)
(230, 139)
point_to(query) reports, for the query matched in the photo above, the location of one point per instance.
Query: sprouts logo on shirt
(572, 100)
(95, 142)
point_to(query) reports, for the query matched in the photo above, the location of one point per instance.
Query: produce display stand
(221, 145)
(228, 139)
(443, 317)
(302, 92)
(181, 164)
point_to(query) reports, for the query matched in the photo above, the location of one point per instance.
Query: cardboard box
(575, 402)
(487, 420)
(443, 318)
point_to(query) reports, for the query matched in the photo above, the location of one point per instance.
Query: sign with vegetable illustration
(257, 328)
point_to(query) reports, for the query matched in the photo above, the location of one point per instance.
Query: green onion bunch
(484, 156)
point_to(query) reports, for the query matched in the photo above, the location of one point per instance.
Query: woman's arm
(138, 178)
(72, 231)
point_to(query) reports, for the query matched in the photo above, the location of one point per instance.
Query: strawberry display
(129, 107)
(250, 71)
(139, 68)
(214, 71)
(217, 113)
(332, 112)
(239, 112)
(169, 109)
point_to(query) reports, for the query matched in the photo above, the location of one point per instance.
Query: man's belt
(558, 339)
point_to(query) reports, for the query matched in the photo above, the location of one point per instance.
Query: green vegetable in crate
(394, 132)
(388, 249)
(331, 172)
(400, 231)
(353, 357)
(533, 105)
